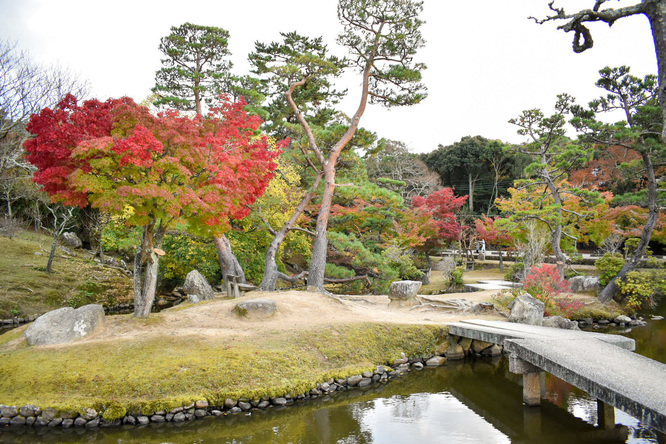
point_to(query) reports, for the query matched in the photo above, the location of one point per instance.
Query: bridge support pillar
(605, 415)
(532, 389)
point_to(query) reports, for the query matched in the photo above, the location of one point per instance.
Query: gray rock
(90, 414)
(365, 382)
(404, 290)
(28, 410)
(66, 423)
(495, 350)
(72, 240)
(17, 420)
(65, 325)
(197, 288)
(622, 319)
(55, 422)
(436, 361)
(560, 322)
(42, 422)
(143, 420)
(201, 404)
(179, 417)
(279, 402)
(200, 413)
(584, 283)
(4, 421)
(105, 423)
(79, 422)
(93, 423)
(263, 404)
(455, 352)
(129, 419)
(8, 411)
(525, 309)
(479, 346)
(417, 365)
(230, 403)
(256, 308)
(157, 418)
(354, 380)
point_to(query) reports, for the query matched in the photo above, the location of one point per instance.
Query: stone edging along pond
(34, 416)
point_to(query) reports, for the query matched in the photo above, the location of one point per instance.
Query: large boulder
(197, 288)
(256, 308)
(584, 283)
(65, 325)
(525, 309)
(71, 240)
(404, 292)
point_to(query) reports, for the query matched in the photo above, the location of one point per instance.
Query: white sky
(486, 60)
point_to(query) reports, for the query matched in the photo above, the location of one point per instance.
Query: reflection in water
(426, 417)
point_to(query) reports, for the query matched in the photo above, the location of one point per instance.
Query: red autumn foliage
(442, 206)
(203, 170)
(487, 231)
(57, 131)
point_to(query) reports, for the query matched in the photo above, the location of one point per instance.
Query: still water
(476, 401)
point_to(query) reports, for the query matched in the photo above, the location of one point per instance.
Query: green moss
(598, 311)
(152, 374)
(114, 411)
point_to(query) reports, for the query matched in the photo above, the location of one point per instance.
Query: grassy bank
(155, 373)
(76, 279)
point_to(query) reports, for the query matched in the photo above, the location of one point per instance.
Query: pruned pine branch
(582, 40)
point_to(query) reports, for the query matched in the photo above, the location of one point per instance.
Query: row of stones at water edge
(454, 348)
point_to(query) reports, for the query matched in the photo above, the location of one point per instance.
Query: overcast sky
(486, 61)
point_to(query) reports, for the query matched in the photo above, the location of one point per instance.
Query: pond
(475, 401)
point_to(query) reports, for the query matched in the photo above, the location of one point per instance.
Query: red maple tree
(115, 155)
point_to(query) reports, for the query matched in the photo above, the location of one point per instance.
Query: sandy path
(296, 310)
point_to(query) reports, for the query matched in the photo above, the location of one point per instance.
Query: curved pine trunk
(611, 289)
(320, 248)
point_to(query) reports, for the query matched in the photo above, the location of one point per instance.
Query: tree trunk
(320, 248)
(271, 273)
(656, 13)
(611, 289)
(471, 194)
(146, 268)
(144, 303)
(54, 245)
(9, 205)
(228, 262)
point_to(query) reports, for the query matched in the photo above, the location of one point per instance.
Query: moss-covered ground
(26, 288)
(154, 373)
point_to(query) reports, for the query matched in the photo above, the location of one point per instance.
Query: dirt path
(296, 310)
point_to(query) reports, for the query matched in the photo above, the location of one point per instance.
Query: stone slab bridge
(603, 365)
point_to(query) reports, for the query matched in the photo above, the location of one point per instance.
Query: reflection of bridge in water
(498, 402)
(602, 365)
